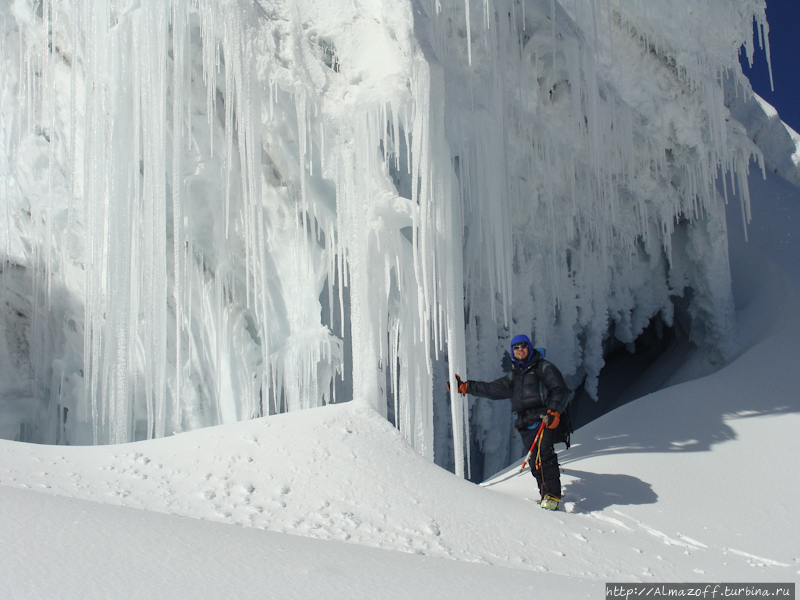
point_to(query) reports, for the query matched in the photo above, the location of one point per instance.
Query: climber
(539, 396)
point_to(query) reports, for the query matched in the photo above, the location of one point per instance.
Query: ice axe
(533, 445)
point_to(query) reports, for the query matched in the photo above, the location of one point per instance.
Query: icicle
(178, 44)
(469, 33)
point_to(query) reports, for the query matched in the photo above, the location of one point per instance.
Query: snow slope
(341, 473)
(56, 547)
(692, 483)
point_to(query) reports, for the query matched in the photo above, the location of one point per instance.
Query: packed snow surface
(128, 554)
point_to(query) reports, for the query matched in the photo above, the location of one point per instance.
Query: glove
(551, 419)
(462, 386)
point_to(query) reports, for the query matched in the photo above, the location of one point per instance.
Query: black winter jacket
(534, 390)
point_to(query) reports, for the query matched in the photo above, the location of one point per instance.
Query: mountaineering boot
(550, 502)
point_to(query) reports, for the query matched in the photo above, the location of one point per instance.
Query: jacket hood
(534, 354)
(519, 339)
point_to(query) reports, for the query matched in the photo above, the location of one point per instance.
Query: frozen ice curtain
(215, 210)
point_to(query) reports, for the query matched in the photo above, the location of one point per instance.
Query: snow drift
(217, 210)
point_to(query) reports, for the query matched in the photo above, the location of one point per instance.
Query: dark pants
(547, 476)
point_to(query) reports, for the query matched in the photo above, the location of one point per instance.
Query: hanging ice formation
(219, 209)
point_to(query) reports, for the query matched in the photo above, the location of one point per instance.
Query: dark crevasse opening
(636, 369)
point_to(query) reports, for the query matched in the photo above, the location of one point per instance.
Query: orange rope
(536, 439)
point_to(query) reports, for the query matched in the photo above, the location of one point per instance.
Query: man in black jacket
(538, 395)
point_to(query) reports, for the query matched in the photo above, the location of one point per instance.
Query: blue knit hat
(520, 339)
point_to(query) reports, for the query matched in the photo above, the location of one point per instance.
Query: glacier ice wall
(220, 209)
(779, 143)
